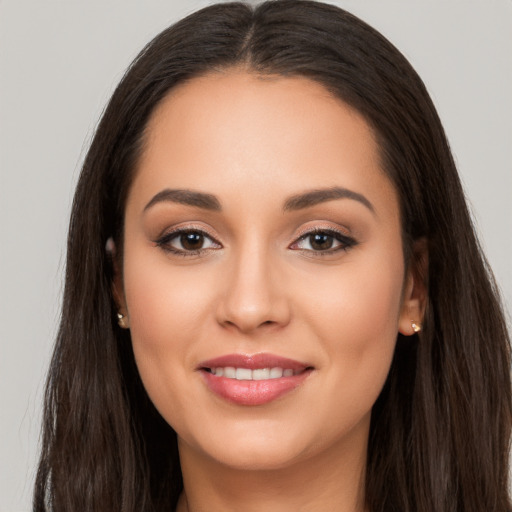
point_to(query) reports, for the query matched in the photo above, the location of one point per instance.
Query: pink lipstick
(253, 379)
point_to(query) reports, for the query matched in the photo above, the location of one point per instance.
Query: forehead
(249, 109)
(239, 131)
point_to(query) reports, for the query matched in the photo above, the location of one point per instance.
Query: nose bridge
(253, 296)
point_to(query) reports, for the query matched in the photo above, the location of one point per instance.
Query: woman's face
(262, 233)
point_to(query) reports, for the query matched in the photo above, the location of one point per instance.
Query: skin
(259, 285)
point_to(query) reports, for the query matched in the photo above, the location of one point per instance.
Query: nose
(253, 294)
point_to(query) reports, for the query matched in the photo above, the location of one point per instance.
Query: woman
(274, 296)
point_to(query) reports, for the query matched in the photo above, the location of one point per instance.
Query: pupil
(321, 241)
(192, 241)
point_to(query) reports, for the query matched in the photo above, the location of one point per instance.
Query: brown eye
(192, 241)
(321, 241)
(187, 242)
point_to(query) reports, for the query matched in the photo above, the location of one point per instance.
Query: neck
(332, 480)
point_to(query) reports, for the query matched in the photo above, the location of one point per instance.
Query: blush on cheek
(363, 315)
(161, 300)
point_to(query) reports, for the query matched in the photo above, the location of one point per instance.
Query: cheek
(357, 303)
(165, 302)
(167, 308)
(356, 319)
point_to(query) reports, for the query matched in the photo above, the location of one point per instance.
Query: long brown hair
(440, 430)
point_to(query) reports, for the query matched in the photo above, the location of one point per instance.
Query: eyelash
(164, 242)
(345, 241)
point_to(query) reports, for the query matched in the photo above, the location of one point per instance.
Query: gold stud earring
(416, 327)
(122, 320)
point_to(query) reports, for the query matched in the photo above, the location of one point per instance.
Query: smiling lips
(253, 380)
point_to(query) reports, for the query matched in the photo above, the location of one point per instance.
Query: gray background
(59, 62)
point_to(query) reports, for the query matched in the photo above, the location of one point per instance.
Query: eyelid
(347, 241)
(169, 234)
(186, 226)
(314, 228)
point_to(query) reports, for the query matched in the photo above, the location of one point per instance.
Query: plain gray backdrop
(59, 63)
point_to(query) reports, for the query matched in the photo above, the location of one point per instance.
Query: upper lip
(254, 361)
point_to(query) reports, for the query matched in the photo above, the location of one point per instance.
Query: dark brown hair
(440, 430)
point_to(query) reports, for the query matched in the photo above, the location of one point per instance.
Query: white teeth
(276, 373)
(243, 374)
(261, 374)
(230, 372)
(248, 374)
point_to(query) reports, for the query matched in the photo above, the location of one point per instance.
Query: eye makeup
(191, 241)
(187, 241)
(323, 241)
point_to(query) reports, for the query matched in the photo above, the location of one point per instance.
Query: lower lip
(253, 392)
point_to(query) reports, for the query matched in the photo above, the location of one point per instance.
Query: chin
(256, 458)
(256, 446)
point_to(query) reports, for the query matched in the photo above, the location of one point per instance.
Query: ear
(117, 286)
(415, 292)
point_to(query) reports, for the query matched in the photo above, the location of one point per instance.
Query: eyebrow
(187, 197)
(296, 202)
(317, 196)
